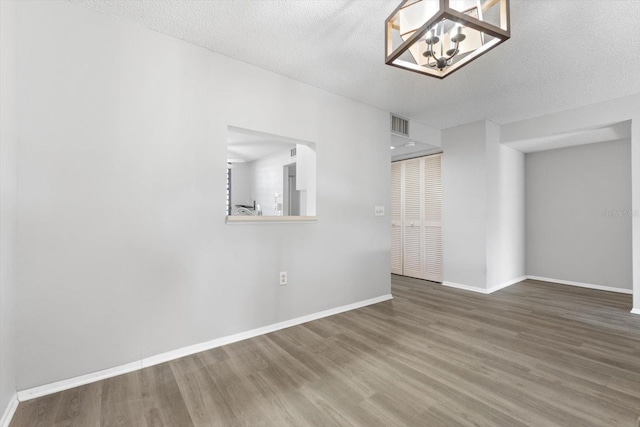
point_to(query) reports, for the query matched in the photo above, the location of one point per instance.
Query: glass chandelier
(437, 37)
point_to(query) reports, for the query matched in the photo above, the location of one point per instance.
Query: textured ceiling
(562, 53)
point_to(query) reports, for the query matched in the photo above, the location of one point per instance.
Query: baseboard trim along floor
(57, 386)
(582, 285)
(8, 413)
(465, 287)
(431, 355)
(484, 291)
(506, 284)
(541, 279)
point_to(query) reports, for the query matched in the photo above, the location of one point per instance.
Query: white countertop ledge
(247, 219)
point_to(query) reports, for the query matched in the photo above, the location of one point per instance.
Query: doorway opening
(291, 195)
(416, 218)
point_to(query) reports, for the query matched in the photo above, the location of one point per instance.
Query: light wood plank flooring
(532, 354)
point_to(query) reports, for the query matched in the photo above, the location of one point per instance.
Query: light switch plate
(379, 210)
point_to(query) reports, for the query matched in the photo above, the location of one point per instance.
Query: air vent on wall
(293, 152)
(399, 126)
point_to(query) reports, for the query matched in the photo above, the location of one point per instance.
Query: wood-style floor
(532, 354)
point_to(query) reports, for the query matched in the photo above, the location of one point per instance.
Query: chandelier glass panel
(437, 37)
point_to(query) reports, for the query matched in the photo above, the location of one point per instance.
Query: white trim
(485, 291)
(465, 287)
(57, 386)
(635, 311)
(582, 285)
(43, 390)
(248, 219)
(8, 413)
(506, 284)
(197, 348)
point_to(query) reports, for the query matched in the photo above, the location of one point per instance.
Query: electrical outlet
(379, 210)
(283, 278)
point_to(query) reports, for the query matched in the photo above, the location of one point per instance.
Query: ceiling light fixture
(438, 37)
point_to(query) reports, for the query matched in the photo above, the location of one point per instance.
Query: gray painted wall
(506, 258)
(483, 208)
(8, 187)
(588, 117)
(464, 205)
(570, 236)
(123, 249)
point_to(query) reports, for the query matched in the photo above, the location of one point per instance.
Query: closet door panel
(433, 253)
(396, 218)
(433, 188)
(396, 249)
(412, 190)
(432, 220)
(416, 218)
(412, 251)
(412, 219)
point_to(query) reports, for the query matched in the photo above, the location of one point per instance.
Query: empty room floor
(535, 354)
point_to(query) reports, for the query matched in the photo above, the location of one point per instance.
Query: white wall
(268, 175)
(428, 141)
(123, 250)
(505, 211)
(483, 208)
(306, 179)
(635, 203)
(8, 187)
(261, 179)
(425, 134)
(578, 214)
(241, 185)
(464, 205)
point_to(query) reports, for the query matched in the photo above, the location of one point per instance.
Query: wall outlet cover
(379, 210)
(283, 278)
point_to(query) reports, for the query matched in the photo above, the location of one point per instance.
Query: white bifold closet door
(396, 218)
(416, 218)
(412, 219)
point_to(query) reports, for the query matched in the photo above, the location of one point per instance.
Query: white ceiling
(562, 53)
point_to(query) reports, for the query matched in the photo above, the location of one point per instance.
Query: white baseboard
(465, 287)
(43, 390)
(484, 291)
(582, 285)
(635, 311)
(197, 348)
(57, 386)
(8, 413)
(506, 284)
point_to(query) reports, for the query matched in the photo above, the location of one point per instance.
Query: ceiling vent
(399, 126)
